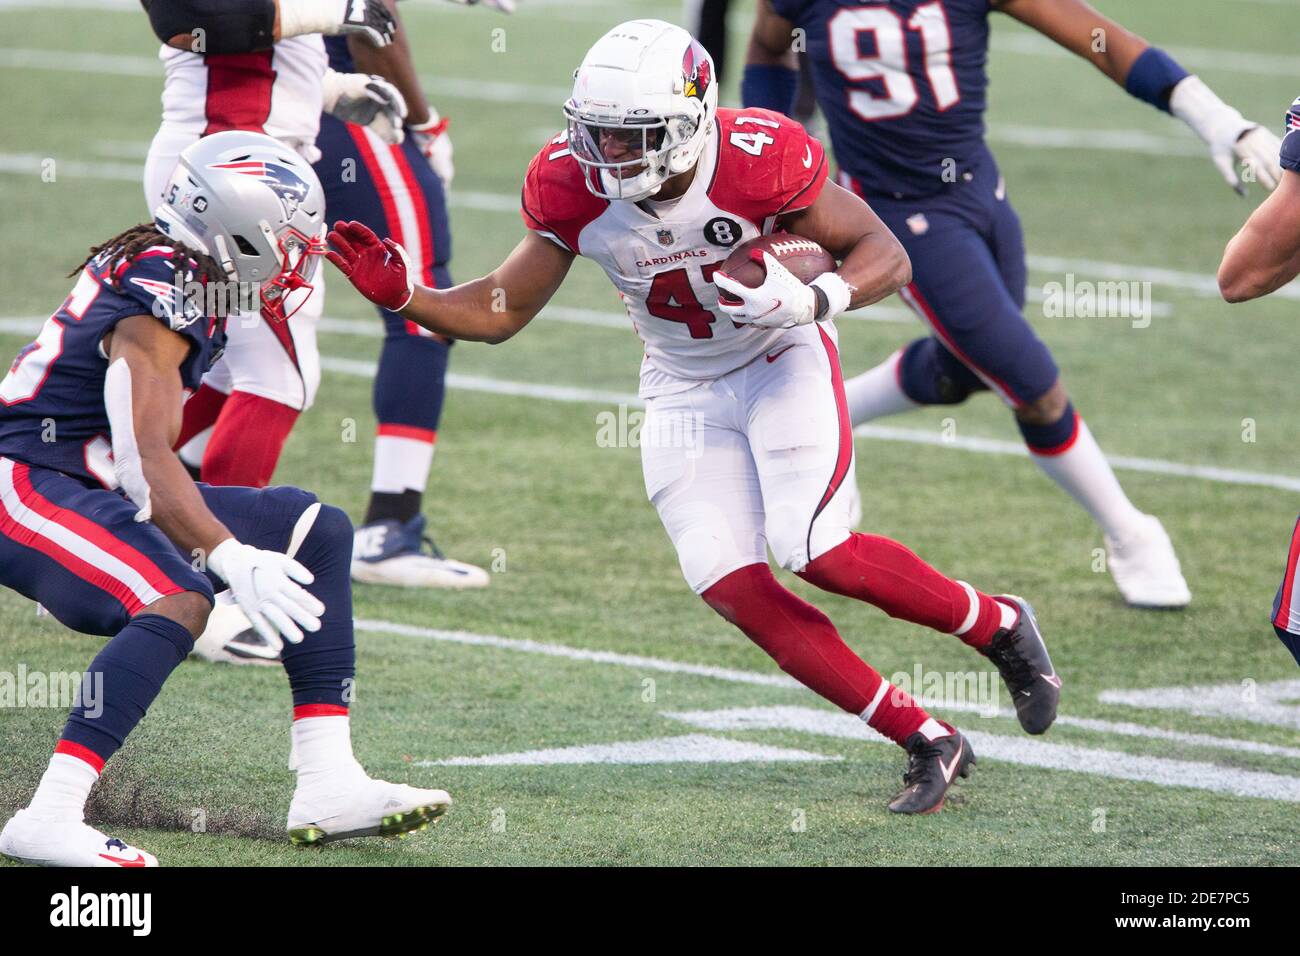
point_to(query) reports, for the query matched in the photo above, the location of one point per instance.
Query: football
(805, 258)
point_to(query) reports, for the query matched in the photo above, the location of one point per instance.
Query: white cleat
(1145, 568)
(401, 555)
(30, 839)
(362, 807)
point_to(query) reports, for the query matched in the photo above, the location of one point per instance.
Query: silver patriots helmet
(253, 205)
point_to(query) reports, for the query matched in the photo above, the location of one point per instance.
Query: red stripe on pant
(844, 454)
(239, 91)
(1283, 618)
(805, 644)
(88, 531)
(913, 297)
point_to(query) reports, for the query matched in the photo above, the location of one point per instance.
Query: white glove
(434, 143)
(505, 6)
(782, 301)
(367, 17)
(262, 583)
(1230, 136)
(365, 100)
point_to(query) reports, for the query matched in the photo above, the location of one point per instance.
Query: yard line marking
(690, 748)
(364, 368)
(1024, 751)
(1276, 702)
(1279, 689)
(576, 653)
(1129, 729)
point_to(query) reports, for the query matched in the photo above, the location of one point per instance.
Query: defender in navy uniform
(1260, 259)
(101, 523)
(903, 86)
(401, 191)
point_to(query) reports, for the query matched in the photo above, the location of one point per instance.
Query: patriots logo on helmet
(284, 182)
(697, 70)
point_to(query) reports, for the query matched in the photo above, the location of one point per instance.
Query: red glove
(381, 271)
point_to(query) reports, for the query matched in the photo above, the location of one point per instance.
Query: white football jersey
(275, 91)
(757, 165)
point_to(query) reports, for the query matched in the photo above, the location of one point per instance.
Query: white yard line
(1024, 751)
(691, 748)
(1012, 749)
(577, 654)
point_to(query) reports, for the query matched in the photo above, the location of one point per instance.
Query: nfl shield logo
(665, 237)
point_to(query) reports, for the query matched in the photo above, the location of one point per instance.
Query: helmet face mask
(642, 107)
(300, 257)
(647, 145)
(256, 207)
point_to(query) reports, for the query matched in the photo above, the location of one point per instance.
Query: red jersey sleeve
(555, 200)
(768, 165)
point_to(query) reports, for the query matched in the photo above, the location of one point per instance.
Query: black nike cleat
(932, 766)
(1021, 658)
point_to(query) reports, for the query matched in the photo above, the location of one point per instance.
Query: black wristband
(823, 304)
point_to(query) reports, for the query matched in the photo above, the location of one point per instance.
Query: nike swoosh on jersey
(807, 158)
(773, 356)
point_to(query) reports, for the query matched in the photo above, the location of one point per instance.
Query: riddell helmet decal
(697, 70)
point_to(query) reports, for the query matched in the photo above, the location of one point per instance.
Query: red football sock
(805, 644)
(884, 573)
(246, 444)
(199, 412)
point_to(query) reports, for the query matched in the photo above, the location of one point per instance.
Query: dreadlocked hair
(126, 245)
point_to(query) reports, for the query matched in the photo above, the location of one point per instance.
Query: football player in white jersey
(1260, 259)
(271, 370)
(746, 444)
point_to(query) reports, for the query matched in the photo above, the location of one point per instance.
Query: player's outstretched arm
(1265, 254)
(873, 263)
(1152, 75)
(143, 396)
(490, 309)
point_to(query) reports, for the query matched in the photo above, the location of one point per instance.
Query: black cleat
(932, 766)
(1022, 660)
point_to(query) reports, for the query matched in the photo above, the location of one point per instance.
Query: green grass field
(521, 484)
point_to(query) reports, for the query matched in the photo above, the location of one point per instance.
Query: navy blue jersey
(52, 411)
(902, 85)
(340, 56)
(1290, 158)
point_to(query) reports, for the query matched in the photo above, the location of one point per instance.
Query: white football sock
(402, 462)
(63, 789)
(932, 730)
(322, 745)
(876, 392)
(1084, 472)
